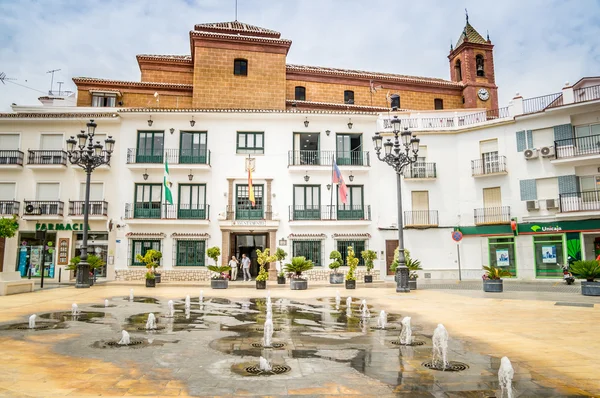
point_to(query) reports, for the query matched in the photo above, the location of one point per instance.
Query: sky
(539, 44)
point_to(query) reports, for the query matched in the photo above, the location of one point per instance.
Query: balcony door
(192, 201)
(489, 156)
(7, 196)
(48, 192)
(587, 139)
(492, 203)
(306, 149)
(420, 207)
(192, 148)
(50, 145)
(244, 209)
(307, 201)
(353, 209)
(349, 149)
(147, 200)
(150, 147)
(96, 197)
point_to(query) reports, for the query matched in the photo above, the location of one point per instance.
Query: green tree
(368, 256)
(214, 253)
(263, 257)
(8, 227)
(352, 263)
(336, 256)
(151, 258)
(280, 256)
(298, 266)
(95, 262)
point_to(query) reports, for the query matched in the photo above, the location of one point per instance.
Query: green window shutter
(568, 184)
(563, 134)
(529, 139)
(521, 143)
(528, 189)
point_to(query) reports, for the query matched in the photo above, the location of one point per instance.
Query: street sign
(457, 236)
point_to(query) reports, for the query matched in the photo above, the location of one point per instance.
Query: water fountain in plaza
(151, 322)
(268, 334)
(130, 294)
(75, 310)
(364, 310)
(188, 306)
(201, 298)
(264, 365)
(32, 321)
(406, 333)
(349, 302)
(505, 376)
(440, 348)
(171, 307)
(337, 299)
(125, 339)
(106, 304)
(382, 320)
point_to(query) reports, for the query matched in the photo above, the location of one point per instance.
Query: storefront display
(502, 253)
(549, 255)
(32, 251)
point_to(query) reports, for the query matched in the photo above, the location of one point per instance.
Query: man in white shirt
(246, 268)
(233, 263)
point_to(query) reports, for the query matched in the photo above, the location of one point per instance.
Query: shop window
(310, 249)
(31, 254)
(348, 97)
(549, 255)
(190, 253)
(502, 254)
(240, 67)
(438, 104)
(250, 142)
(357, 245)
(300, 93)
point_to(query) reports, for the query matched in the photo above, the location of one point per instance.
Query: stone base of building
(203, 275)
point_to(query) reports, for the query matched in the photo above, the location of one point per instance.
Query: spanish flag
(250, 188)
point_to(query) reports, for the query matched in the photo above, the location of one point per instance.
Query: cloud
(539, 44)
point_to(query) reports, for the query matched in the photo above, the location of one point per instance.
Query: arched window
(300, 94)
(479, 65)
(348, 97)
(240, 67)
(458, 71)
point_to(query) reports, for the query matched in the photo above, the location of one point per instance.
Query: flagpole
(331, 193)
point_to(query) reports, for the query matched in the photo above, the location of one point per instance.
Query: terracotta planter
(336, 279)
(493, 286)
(219, 283)
(368, 278)
(150, 282)
(350, 284)
(412, 284)
(590, 288)
(281, 280)
(298, 284)
(261, 284)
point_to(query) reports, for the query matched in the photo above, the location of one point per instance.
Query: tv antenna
(3, 78)
(52, 80)
(236, 7)
(59, 86)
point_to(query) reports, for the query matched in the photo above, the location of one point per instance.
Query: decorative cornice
(143, 234)
(343, 236)
(317, 104)
(94, 80)
(236, 37)
(274, 111)
(187, 59)
(307, 236)
(237, 28)
(190, 235)
(53, 115)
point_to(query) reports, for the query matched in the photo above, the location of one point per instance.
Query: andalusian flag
(250, 188)
(167, 183)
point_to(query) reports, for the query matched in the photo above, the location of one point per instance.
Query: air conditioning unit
(547, 152)
(29, 209)
(532, 205)
(531, 153)
(551, 204)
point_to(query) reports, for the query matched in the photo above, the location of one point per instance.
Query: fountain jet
(188, 304)
(264, 365)
(201, 298)
(130, 294)
(268, 334)
(505, 376)
(406, 333)
(74, 309)
(32, 321)
(106, 303)
(125, 339)
(151, 322)
(364, 310)
(440, 347)
(382, 320)
(337, 299)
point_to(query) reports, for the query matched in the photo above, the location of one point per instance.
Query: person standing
(246, 268)
(234, 264)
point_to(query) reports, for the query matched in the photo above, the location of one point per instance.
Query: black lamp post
(399, 153)
(87, 155)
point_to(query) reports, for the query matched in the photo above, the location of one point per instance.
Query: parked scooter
(567, 275)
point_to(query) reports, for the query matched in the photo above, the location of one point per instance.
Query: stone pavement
(554, 348)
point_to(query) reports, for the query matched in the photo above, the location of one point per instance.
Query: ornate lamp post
(88, 156)
(399, 153)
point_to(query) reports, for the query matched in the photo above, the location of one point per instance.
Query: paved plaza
(550, 338)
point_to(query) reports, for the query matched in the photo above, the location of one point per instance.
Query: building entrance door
(248, 244)
(390, 246)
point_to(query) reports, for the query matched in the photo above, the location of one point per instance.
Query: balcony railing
(50, 157)
(325, 158)
(499, 113)
(11, 157)
(579, 146)
(421, 218)
(186, 211)
(587, 93)
(420, 170)
(167, 211)
(173, 156)
(329, 213)
(437, 122)
(242, 212)
(97, 208)
(480, 167)
(538, 104)
(492, 215)
(43, 208)
(9, 207)
(579, 201)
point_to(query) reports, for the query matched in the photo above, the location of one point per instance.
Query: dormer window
(104, 100)
(240, 67)
(458, 71)
(348, 97)
(300, 93)
(479, 65)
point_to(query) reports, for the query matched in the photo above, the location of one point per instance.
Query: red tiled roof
(232, 110)
(159, 57)
(372, 75)
(337, 105)
(52, 115)
(94, 80)
(258, 39)
(472, 36)
(236, 27)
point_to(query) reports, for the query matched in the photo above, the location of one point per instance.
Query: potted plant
(588, 270)
(152, 260)
(492, 279)
(150, 279)
(413, 266)
(263, 257)
(335, 277)
(295, 270)
(352, 263)
(280, 255)
(95, 262)
(368, 256)
(220, 276)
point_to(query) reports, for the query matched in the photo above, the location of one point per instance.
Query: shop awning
(307, 236)
(351, 236)
(190, 236)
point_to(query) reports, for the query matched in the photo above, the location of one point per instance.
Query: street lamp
(87, 155)
(399, 153)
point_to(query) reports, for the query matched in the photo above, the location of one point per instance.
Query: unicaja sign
(536, 228)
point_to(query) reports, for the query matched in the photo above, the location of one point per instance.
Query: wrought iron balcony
(579, 201)
(421, 218)
(492, 215)
(97, 208)
(11, 158)
(577, 146)
(193, 211)
(167, 211)
(483, 167)
(47, 157)
(173, 156)
(329, 213)
(43, 208)
(247, 212)
(586, 93)
(420, 170)
(325, 158)
(9, 207)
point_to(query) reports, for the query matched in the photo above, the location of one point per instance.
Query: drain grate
(117, 345)
(273, 345)
(151, 330)
(385, 328)
(452, 366)
(413, 344)
(566, 304)
(102, 306)
(275, 329)
(275, 370)
(37, 327)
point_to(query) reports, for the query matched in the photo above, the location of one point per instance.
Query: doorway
(248, 244)
(390, 247)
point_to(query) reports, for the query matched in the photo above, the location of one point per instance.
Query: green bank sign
(59, 227)
(558, 227)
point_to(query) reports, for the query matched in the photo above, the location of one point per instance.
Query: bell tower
(472, 63)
